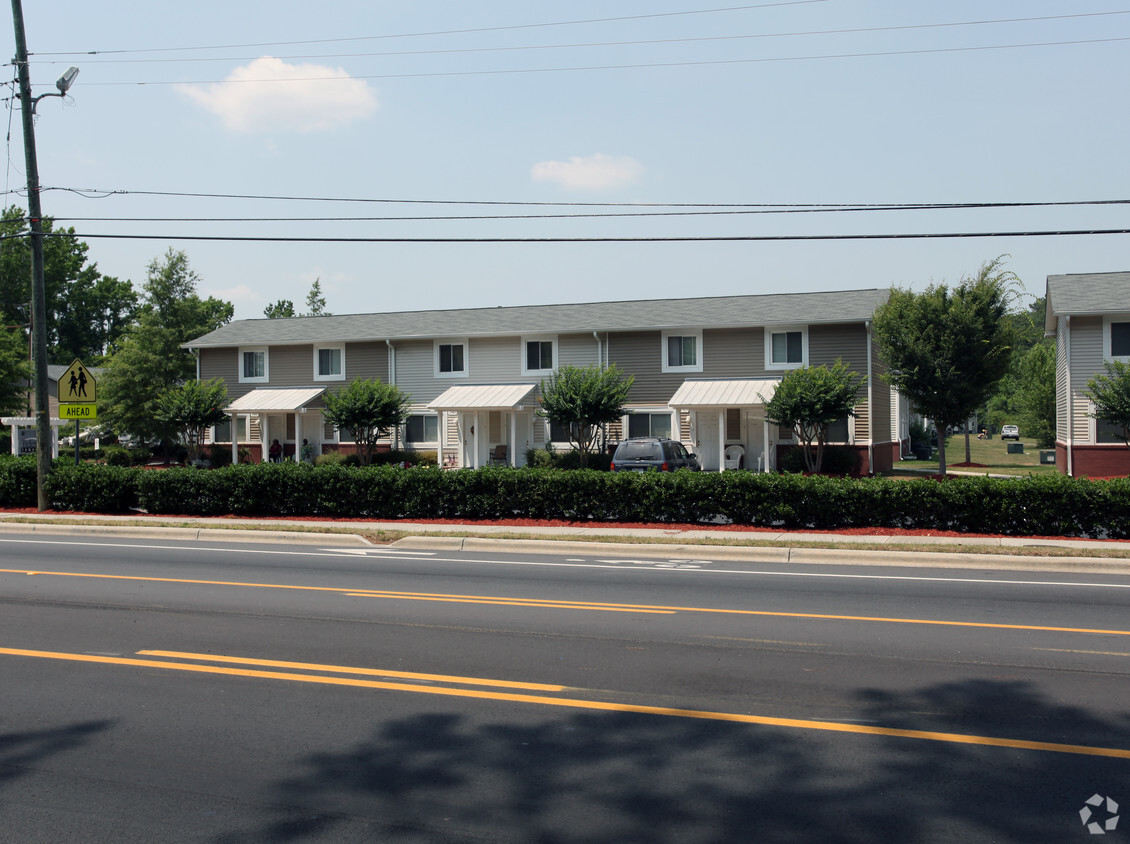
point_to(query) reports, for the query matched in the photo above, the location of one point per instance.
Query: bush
(18, 481)
(838, 460)
(117, 456)
(218, 456)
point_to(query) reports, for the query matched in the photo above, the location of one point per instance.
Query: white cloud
(270, 95)
(595, 172)
(241, 294)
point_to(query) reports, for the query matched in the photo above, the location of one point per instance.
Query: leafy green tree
(946, 351)
(1035, 394)
(86, 311)
(191, 409)
(15, 371)
(281, 309)
(1111, 395)
(368, 410)
(315, 301)
(809, 400)
(150, 359)
(581, 399)
(1006, 404)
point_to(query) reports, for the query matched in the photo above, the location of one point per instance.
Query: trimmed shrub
(18, 481)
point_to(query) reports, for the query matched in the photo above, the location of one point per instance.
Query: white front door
(706, 439)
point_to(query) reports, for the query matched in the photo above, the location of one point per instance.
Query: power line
(637, 66)
(603, 216)
(668, 239)
(446, 32)
(95, 193)
(647, 42)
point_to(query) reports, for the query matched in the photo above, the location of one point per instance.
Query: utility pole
(38, 296)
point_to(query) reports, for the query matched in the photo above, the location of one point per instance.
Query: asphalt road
(162, 691)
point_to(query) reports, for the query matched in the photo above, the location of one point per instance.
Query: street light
(35, 227)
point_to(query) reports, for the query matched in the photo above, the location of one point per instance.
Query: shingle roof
(647, 314)
(1086, 293)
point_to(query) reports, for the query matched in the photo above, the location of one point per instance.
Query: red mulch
(668, 529)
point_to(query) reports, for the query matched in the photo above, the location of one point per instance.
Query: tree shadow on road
(613, 776)
(21, 753)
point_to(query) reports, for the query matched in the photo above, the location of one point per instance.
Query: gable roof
(1086, 293)
(646, 314)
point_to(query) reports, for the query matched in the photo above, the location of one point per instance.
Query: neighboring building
(1088, 314)
(700, 366)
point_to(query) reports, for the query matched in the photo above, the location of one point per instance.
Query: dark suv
(642, 453)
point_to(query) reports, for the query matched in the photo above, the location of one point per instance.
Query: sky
(263, 127)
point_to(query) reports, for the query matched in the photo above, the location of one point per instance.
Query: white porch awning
(722, 393)
(277, 400)
(469, 397)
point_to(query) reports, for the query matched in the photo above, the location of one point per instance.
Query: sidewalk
(771, 546)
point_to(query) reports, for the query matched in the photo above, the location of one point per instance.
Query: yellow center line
(553, 605)
(539, 602)
(346, 669)
(761, 720)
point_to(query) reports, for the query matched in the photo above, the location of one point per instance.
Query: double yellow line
(356, 675)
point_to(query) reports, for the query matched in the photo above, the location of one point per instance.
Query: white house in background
(1088, 314)
(700, 366)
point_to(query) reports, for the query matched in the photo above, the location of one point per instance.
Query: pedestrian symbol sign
(77, 385)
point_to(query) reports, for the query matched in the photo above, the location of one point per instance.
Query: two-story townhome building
(1088, 314)
(702, 369)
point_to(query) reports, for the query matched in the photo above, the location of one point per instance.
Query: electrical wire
(648, 42)
(667, 239)
(445, 32)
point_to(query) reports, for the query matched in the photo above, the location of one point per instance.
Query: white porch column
(721, 439)
(765, 430)
(15, 439)
(513, 451)
(298, 434)
(264, 424)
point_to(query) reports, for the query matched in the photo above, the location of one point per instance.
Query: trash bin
(1047, 457)
(1016, 448)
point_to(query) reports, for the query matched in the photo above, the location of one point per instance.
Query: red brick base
(1095, 461)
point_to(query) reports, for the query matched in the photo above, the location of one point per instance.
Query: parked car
(642, 453)
(1010, 432)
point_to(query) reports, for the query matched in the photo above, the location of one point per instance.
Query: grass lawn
(991, 454)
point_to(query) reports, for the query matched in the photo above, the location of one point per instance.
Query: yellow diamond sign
(77, 385)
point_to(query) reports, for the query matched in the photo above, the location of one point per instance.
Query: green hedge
(1046, 505)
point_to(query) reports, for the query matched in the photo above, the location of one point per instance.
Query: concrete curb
(770, 554)
(279, 537)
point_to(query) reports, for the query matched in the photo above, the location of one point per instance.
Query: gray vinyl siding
(576, 350)
(733, 353)
(882, 397)
(1063, 338)
(223, 363)
(415, 372)
(1086, 361)
(290, 366)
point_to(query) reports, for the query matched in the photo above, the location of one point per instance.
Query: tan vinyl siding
(1086, 362)
(224, 363)
(290, 366)
(364, 360)
(731, 353)
(826, 343)
(576, 350)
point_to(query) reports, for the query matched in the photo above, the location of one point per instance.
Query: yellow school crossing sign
(78, 393)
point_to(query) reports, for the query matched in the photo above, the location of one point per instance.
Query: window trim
(1108, 322)
(684, 332)
(770, 331)
(539, 338)
(318, 347)
(452, 341)
(266, 376)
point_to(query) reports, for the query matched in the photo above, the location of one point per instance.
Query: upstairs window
(682, 351)
(451, 359)
(539, 355)
(786, 348)
(329, 363)
(1118, 338)
(253, 365)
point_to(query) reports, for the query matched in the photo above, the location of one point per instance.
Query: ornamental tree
(1111, 395)
(367, 410)
(580, 399)
(809, 400)
(191, 409)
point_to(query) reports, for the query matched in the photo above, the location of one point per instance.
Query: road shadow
(22, 753)
(582, 776)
